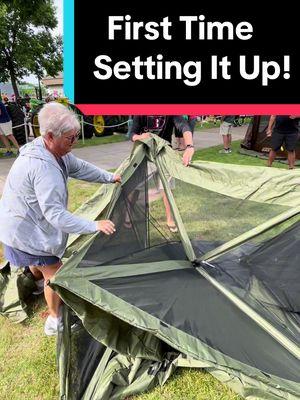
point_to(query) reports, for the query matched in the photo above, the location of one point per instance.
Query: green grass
(212, 154)
(206, 125)
(2, 151)
(27, 362)
(80, 192)
(27, 357)
(190, 384)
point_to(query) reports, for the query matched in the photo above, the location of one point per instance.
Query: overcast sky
(57, 30)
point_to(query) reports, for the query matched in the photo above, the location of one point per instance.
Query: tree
(27, 43)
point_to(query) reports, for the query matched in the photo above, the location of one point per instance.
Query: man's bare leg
(36, 273)
(5, 142)
(227, 141)
(272, 156)
(291, 159)
(14, 141)
(170, 220)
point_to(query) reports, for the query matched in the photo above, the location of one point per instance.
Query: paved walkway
(110, 156)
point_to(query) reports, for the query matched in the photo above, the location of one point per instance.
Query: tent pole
(147, 208)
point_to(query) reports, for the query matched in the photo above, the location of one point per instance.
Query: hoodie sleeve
(80, 169)
(50, 194)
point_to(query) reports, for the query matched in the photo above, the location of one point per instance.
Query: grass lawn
(27, 356)
(2, 151)
(207, 125)
(190, 384)
(212, 154)
(27, 361)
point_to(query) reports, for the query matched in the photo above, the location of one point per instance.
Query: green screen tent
(221, 294)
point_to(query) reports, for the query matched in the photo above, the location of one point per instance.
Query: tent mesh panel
(85, 356)
(216, 218)
(258, 124)
(264, 273)
(140, 220)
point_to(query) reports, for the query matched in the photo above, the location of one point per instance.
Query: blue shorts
(21, 259)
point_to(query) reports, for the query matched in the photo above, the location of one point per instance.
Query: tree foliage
(27, 43)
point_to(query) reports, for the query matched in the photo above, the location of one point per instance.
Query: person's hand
(294, 116)
(117, 178)
(269, 132)
(188, 155)
(106, 226)
(144, 135)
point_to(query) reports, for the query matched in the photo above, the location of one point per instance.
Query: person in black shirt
(163, 125)
(283, 129)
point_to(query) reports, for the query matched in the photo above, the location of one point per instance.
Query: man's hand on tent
(188, 155)
(117, 178)
(106, 226)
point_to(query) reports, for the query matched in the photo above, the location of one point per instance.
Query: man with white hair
(34, 219)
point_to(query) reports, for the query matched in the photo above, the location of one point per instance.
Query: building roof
(53, 81)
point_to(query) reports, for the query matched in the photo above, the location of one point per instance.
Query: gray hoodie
(33, 208)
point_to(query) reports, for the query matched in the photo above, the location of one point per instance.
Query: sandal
(172, 228)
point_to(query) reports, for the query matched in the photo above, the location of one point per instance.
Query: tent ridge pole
(181, 228)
